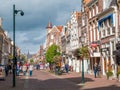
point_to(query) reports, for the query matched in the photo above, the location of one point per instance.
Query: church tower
(49, 26)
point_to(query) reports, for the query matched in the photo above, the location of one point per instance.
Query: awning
(105, 18)
(93, 45)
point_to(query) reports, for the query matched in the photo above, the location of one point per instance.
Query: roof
(77, 15)
(59, 28)
(86, 1)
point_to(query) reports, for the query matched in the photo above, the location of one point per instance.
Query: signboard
(96, 54)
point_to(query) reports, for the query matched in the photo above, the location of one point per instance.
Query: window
(83, 20)
(103, 32)
(109, 21)
(96, 8)
(108, 31)
(93, 11)
(52, 37)
(90, 14)
(106, 4)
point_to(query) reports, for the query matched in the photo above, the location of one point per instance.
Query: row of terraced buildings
(98, 23)
(6, 47)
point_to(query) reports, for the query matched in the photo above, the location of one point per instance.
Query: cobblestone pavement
(44, 80)
(92, 83)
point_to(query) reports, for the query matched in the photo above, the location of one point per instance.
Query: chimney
(0, 22)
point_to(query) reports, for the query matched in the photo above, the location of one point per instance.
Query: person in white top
(24, 69)
(30, 69)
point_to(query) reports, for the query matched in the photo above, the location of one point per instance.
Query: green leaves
(83, 52)
(52, 51)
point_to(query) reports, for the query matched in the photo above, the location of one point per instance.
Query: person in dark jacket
(95, 68)
(6, 69)
(99, 70)
(66, 67)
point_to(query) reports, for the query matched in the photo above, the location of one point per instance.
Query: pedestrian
(18, 69)
(30, 69)
(6, 70)
(24, 69)
(99, 70)
(66, 67)
(10, 68)
(95, 68)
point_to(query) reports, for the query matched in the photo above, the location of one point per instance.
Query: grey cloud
(37, 15)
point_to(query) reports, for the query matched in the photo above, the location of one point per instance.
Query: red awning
(93, 45)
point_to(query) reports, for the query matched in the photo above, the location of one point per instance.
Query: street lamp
(83, 80)
(14, 56)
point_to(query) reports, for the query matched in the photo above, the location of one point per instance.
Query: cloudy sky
(31, 28)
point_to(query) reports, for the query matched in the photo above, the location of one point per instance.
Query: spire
(49, 25)
(28, 54)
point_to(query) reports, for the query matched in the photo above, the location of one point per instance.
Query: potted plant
(118, 75)
(109, 74)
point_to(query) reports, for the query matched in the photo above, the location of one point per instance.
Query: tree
(31, 61)
(52, 51)
(23, 57)
(10, 58)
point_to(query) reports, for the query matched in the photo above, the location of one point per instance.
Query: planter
(119, 78)
(109, 75)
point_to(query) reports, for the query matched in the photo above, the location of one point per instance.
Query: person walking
(24, 69)
(30, 69)
(99, 71)
(10, 68)
(6, 70)
(95, 68)
(66, 67)
(18, 69)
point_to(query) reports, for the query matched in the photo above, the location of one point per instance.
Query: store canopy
(93, 45)
(110, 16)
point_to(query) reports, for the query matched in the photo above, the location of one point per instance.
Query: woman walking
(30, 69)
(24, 69)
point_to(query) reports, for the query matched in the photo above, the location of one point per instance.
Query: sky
(30, 29)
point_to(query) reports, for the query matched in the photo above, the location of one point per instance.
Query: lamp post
(83, 80)
(14, 53)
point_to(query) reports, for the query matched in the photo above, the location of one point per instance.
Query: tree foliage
(52, 51)
(57, 59)
(31, 61)
(23, 57)
(10, 57)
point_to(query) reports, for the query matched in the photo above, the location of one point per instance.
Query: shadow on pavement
(34, 83)
(78, 80)
(37, 84)
(111, 87)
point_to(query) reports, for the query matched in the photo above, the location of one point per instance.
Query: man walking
(66, 67)
(95, 68)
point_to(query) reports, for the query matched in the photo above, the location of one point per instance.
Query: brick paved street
(44, 80)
